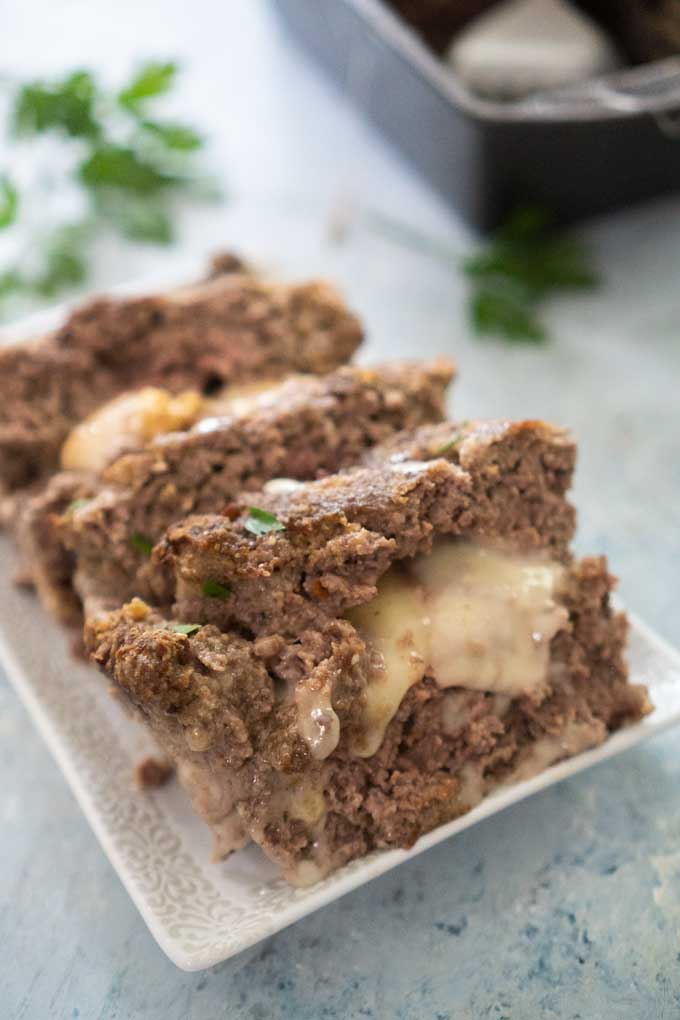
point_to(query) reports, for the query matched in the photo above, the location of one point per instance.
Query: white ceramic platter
(199, 911)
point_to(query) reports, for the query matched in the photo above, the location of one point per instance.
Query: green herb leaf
(65, 261)
(141, 544)
(153, 79)
(216, 590)
(64, 264)
(453, 441)
(9, 202)
(143, 221)
(137, 217)
(75, 505)
(261, 522)
(116, 166)
(500, 312)
(174, 136)
(132, 169)
(527, 262)
(10, 283)
(67, 105)
(185, 628)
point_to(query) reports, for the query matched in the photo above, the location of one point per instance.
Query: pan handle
(652, 88)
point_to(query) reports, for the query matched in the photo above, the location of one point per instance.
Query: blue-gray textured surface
(565, 906)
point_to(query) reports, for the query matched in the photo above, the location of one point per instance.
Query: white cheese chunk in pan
(521, 46)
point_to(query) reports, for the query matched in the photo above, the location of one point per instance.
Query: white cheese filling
(137, 416)
(129, 419)
(469, 617)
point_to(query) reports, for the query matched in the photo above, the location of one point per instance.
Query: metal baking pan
(577, 151)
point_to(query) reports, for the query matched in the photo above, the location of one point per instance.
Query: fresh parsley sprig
(526, 262)
(131, 165)
(66, 104)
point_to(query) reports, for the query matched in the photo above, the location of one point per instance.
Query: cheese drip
(318, 724)
(467, 616)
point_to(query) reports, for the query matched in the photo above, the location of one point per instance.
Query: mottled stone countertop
(565, 906)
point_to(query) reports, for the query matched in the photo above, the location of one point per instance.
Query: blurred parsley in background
(130, 166)
(527, 261)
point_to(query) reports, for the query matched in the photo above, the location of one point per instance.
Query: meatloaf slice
(231, 327)
(306, 426)
(37, 531)
(495, 480)
(399, 641)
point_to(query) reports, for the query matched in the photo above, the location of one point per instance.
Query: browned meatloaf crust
(310, 426)
(483, 479)
(230, 328)
(218, 700)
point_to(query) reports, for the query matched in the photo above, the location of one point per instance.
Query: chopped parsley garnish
(261, 522)
(215, 589)
(141, 544)
(456, 438)
(185, 628)
(75, 505)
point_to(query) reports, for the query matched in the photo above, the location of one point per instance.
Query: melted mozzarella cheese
(135, 417)
(396, 629)
(493, 617)
(128, 420)
(470, 617)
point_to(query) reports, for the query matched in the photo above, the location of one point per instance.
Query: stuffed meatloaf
(230, 328)
(341, 665)
(100, 526)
